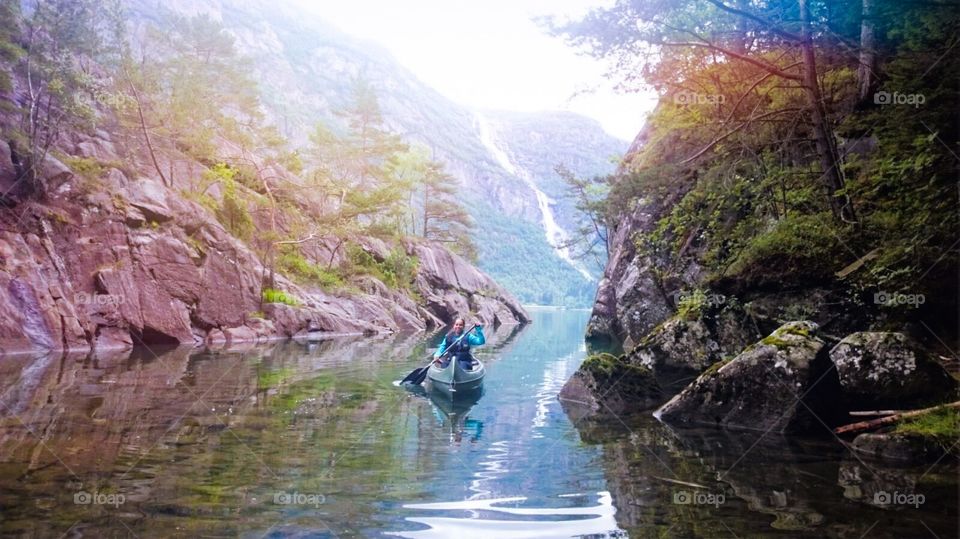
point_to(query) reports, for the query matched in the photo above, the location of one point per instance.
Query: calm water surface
(315, 440)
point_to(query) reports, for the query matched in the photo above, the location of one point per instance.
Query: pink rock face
(136, 263)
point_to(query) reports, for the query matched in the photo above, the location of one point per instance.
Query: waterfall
(555, 235)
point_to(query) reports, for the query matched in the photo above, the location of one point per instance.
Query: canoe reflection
(453, 409)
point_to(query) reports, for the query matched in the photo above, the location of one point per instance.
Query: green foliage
(397, 270)
(941, 425)
(801, 244)
(729, 160)
(39, 46)
(272, 295)
(293, 264)
(604, 363)
(691, 306)
(88, 168)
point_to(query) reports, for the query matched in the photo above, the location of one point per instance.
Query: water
(314, 440)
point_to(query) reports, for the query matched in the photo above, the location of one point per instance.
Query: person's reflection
(472, 427)
(460, 424)
(454, 411)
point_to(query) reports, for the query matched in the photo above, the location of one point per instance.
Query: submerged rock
(900, 447)
(888, 370)
(606, 385)
(783, 383)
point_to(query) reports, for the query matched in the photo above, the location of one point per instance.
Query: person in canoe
(462, 348)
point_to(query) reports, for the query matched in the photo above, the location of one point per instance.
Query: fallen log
(890, 419)
(873, 413)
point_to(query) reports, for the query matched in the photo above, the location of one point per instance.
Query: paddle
(419, 375)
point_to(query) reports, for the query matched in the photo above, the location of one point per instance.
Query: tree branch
(742, 57)
(734, 130)
(756, 18)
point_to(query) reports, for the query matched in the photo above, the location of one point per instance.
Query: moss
(603, 363)
(797, 244)
(941, 425)
(777, 337)
(397, 270)
(197, 245)
(271, 295)
(796, 329)
(712, 369)
(604, 366)
(774, 340)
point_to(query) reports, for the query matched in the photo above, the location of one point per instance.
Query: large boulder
(888, 370)
(677, 344)
(450, 287)
(606, 385)
(783, 383)
(150, 198)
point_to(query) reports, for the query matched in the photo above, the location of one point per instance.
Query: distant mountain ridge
(306, 67)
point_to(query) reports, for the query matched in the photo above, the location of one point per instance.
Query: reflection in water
(313, 439)
(705, 482)
(452, 410)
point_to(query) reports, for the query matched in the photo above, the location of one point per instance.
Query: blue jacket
(474, 338)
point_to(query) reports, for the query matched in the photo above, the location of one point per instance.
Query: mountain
(504, 161)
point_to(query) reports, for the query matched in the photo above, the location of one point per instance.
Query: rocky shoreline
(790, 382)
(122, 260)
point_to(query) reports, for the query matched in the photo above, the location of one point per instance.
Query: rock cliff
(118, 258)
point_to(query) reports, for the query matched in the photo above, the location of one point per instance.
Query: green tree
(192, 92)
(360, 190)
(432, 210)
(591, 238)
(53, 35)
(693, 49)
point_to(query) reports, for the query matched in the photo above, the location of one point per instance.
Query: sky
(491, 54)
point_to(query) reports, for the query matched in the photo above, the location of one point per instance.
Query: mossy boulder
(690, 346)
(607, 385)
(677, 344)
(783, 383)
(888, 370)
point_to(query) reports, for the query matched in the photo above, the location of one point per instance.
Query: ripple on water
(506, 518)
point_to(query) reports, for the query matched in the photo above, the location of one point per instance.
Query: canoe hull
(456, 378)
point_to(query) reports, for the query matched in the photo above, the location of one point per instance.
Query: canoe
(455, 377)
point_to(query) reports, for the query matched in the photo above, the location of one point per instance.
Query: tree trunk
(889, 420)
(840, 203)
(866, 79)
